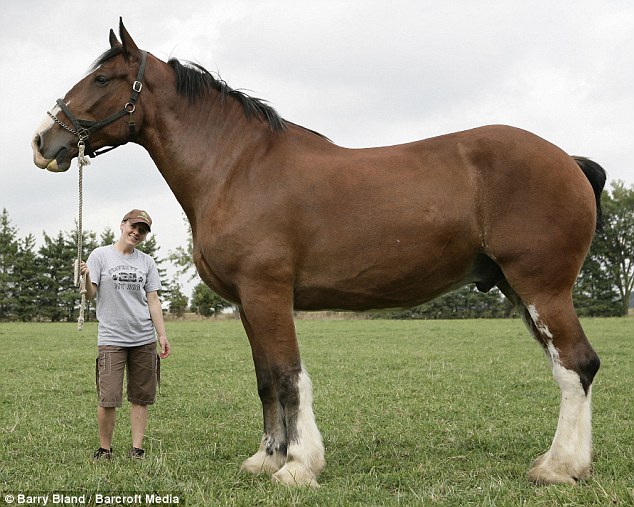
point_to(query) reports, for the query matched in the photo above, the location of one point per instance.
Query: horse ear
(129, 46)
(114, 42)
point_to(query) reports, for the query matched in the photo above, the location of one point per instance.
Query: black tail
(596, 176)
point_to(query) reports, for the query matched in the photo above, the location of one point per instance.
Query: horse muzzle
(60, 162)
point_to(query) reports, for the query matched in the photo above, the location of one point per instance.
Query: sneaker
(136, 453)
(102, 453)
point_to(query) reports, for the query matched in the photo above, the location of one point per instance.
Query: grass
(412, 413)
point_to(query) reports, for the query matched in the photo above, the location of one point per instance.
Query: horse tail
(596, 176)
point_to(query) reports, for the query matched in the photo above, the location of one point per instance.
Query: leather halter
(84, 128)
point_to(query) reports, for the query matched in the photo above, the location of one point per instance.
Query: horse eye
(101, 80)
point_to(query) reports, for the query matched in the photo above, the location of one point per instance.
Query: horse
(284, 219)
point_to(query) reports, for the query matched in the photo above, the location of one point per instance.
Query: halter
(84, 128)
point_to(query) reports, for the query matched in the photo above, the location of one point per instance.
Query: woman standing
(125, 281)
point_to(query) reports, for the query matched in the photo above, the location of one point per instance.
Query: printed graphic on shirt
(126, 277)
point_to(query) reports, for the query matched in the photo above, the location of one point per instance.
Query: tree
(107, 237)
(176, 299)
(8, 255)
(606, 281)
(464, 303)
(183, 257)
(58, 294)
(26, 279)
(594, 292)
(206, 302)
(89, 243)
(615, 248)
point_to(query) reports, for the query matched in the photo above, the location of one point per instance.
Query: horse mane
(193, 80)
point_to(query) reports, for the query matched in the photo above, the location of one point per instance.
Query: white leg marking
(305, 456)
(541, 327)
(261, 462)
(570, 453)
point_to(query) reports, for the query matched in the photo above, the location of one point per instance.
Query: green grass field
(412, 413)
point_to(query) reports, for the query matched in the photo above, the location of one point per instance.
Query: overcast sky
(363, 73)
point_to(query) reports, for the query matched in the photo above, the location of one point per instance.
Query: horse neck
(196, 147)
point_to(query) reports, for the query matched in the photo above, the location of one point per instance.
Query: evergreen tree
(26, 278)
(8, 256)
(107, 237)
(89, 243)
(58, 293)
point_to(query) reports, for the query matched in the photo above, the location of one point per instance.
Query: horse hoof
(261, 463)
(294, 474)
(546, 471)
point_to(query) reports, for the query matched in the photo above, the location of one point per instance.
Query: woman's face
(133, 234)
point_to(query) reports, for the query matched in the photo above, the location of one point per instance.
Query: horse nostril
(37, 141)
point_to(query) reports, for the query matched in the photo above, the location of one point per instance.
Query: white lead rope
(80, 280)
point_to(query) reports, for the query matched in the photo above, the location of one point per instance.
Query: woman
(125, 281)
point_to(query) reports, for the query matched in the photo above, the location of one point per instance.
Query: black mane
(193, 80)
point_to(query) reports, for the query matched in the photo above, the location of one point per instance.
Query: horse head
(100, 110)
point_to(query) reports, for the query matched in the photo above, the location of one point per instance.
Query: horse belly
(397, 270)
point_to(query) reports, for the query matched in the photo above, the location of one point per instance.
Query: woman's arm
(156, 313)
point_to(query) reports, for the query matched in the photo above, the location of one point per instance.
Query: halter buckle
(137, 86)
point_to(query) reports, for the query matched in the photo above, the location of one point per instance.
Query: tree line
(36, 283)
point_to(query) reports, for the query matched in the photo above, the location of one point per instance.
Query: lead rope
(80, 280)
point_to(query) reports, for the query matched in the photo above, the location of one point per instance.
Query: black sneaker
(136, 453)
(102, 453)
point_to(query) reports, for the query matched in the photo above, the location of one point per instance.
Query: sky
(363, 73)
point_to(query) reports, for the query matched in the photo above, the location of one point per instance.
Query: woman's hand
(165, 346)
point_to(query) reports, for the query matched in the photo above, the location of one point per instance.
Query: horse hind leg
(554, 323)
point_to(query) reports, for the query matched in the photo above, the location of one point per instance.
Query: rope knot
(82, 159)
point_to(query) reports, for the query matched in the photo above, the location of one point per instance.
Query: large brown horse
(283, 219)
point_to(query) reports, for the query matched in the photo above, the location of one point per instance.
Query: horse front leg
(291, 438)
(271, 455)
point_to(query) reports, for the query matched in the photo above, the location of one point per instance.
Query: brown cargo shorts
(143, 366)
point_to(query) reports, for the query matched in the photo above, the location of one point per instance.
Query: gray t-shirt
(123, 282)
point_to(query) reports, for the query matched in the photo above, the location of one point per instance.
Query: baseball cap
(137, 216)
